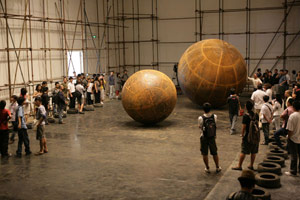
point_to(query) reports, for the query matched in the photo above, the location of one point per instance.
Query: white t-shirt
(257, 97)
(200, 120)
(71, 87)
(255, 82)
(288, 78)
(90, 87)
(266, 110)
(269, 93)
(294, 126)
(277, 108)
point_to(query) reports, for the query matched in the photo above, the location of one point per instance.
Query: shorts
(210, 143)
(79, 99)
(248, 148)
(40, 132)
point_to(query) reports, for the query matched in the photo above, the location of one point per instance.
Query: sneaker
(290, 174)
(61, 122)
(207, 170)
(219, 169)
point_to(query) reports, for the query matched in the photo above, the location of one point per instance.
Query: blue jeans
(233, 119)
(277, 135)
(266, 129)
(23, 138)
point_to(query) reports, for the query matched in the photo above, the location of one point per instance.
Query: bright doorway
(75, 62)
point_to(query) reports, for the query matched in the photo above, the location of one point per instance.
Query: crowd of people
(274, 103)
(85, 90)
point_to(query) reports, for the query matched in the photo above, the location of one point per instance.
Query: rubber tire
(29, 125)
(88, 108)
(282, 153)
(72, 111)
(276, 169)
(98, 105)
(261, 193)
(277, 159)
(272, 182)
(64, 115)
(51, 120)
(273, 145)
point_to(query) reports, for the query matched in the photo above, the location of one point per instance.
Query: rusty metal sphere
(149, 96)
(208, 70)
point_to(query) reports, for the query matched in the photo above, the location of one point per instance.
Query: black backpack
(209, 127)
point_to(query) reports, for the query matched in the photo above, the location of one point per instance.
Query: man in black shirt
(234, 106)
(247, 148)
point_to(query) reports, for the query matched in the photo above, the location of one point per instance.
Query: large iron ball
(149, 96)
(209, 69)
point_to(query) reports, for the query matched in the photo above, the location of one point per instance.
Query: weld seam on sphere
(149, 96)
(208, 70)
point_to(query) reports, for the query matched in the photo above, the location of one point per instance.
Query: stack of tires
(270, 169)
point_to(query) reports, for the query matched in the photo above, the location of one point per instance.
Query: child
(40, 132)
(4, 134)
(13, 110)
(22, 129)
(207, 123)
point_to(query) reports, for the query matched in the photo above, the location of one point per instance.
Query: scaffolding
(26, 32)
(135, 17)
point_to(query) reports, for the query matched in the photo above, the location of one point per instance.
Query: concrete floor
(106, 155)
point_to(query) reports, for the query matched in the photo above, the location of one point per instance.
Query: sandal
(39, 153)
(45, 151)
(251, 168)
(237, 168)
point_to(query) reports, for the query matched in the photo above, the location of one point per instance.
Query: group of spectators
(84, 90)
(274, 101)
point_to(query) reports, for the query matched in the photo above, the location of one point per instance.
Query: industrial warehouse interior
(149, 99)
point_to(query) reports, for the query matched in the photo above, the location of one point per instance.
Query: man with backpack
(234, 106)
(207, 123)
(266, 115)
(250, 136)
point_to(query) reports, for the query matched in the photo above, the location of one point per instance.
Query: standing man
(276, 81)
(111, 83)
(124, 77)
(255, 81)
(207, 124)
(293, 127)
(266, 118)
(248, 146)
(282, 83)
(71, 89)
(234, 106)
(41, 116)
(257, 98)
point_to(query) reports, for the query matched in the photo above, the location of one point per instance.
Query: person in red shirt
(4, 134)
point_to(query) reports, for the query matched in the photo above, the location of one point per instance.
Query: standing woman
(278, 110)
(97, 90)
(38, 91)
(102, 89)
(118, 85)
(26, 103)
(89, 91)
